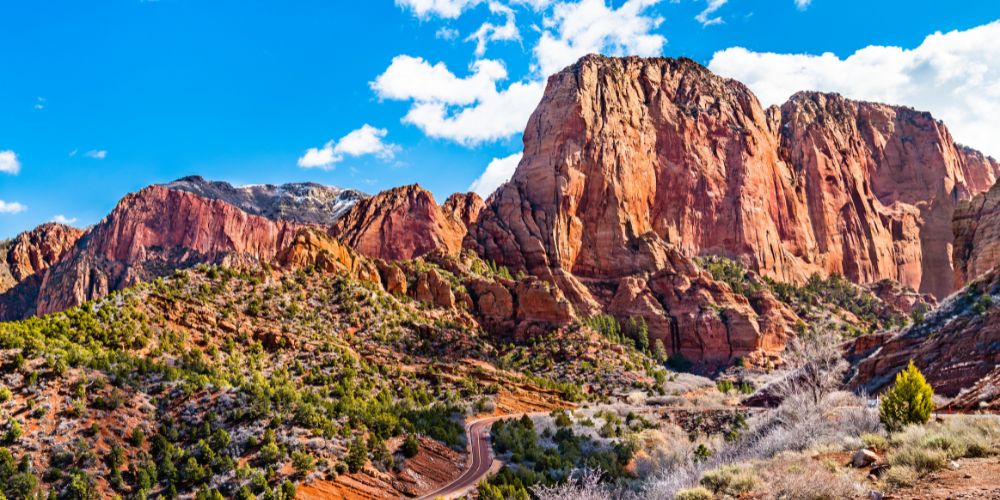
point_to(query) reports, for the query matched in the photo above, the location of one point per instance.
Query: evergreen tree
(909, 401)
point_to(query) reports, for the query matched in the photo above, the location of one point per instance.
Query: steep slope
(152, 232)
(464, 207)
(33, 251)
(622, 147)
(305, 202)
(956, 346)
(401, 223)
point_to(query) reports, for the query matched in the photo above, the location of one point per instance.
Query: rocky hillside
(325, 367)
(305, 202)
(626, 150)
(956, 346)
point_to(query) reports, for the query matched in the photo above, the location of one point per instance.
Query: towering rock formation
(152, 232)
(623, 147)
(401, 223)
(627, 158)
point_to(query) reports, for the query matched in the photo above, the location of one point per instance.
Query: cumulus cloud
(366, 140)
(497, 172)
(9, 163)
(11, 207)
(954, 75)
(576, 29)
(62, 219)
(468, 110)
(802, 4)
(414, 78)
(489, 32)
(711, 6)
(97, 154)
(449, 9)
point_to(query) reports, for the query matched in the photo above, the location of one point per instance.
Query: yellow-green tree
(909, 401)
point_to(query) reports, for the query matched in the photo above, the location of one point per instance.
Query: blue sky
(98, 99)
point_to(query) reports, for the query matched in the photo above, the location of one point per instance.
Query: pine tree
(909, 401)
(659, 352)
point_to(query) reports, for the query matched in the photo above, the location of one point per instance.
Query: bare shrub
(581, 485)
(816, 365)
(900, 476)
(660, 449)
(799, 477)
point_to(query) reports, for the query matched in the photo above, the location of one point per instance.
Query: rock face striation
(401, 223)
(305, 202)
(626, 157)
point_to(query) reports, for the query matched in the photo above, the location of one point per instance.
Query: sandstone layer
(976, 226)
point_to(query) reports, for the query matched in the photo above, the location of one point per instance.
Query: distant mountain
(305, 202)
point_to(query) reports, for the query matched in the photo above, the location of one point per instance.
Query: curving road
(480, 459)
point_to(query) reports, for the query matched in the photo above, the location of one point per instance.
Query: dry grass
(696, 493)
(929, 448)
(730, 480)
(797, 476)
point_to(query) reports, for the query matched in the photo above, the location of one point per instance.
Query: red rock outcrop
(36, 250)
(464, 207)
(956, 346)
(398, 224)
(626, 158)
(313, 248)
(152, 232)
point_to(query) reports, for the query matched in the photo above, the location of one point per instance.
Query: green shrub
(900, 476)
(696, 493)
(730, 480)
(875, 441)
(909, 401)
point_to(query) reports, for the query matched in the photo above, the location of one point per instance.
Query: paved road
(480, 458)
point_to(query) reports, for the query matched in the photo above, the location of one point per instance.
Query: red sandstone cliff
(621, 147)
(152, 232)
(464, 207)
(401, 223)
(626, 158)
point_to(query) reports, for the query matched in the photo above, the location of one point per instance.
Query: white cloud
(62, 219)
(802, 4)
(710, 8)
(446, 33)
(414, 78)
(497, 172)
(11, 207)
(496, 116)
(9, 163)
(576, 29)
(468, 110)
(489, 32)
(366, 140)
(449, 9)
(954, 75)
(97, 154)
(40, 103)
